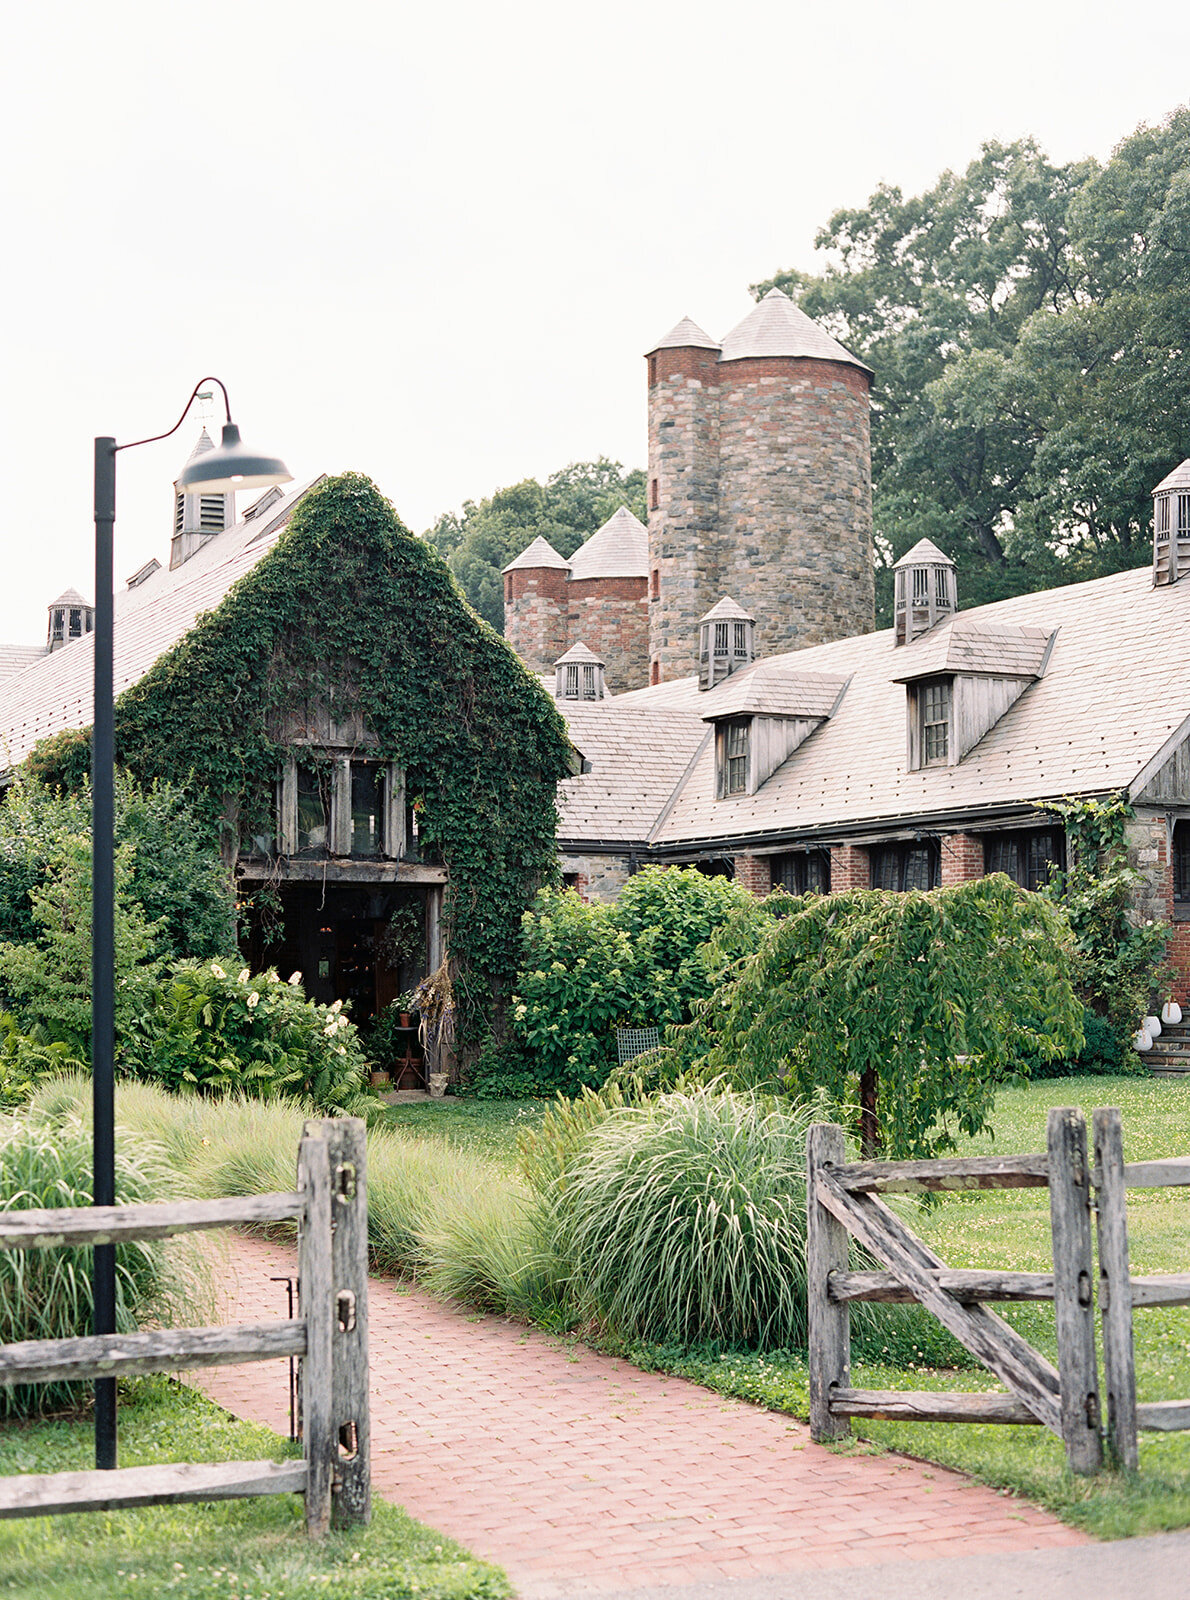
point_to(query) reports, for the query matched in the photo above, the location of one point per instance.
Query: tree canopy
(483, 538)
(1029, 328)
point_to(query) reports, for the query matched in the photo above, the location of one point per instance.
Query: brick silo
(535, 605)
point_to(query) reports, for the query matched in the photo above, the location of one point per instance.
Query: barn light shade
(232, 465)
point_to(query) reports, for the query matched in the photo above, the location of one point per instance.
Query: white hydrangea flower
(253, 1000)
(217, 970)
(243, 977)
(294, 979)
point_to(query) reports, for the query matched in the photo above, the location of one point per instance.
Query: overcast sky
(432, 242)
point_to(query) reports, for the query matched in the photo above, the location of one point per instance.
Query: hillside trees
(1029, 327)
(567, 509)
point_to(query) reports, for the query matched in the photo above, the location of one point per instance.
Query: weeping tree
(914, 1007)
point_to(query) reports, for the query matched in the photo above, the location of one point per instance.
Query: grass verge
(238, 1550)
(1010, 1229)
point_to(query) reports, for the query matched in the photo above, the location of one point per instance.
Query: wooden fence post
(316, 1298)
(347, 1144)
(1115, 1289)
(827, 1251)
(1070, 1218)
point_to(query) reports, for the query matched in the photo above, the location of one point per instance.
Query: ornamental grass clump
(684, 1220)
(46, 1293)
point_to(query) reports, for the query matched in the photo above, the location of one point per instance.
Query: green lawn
(489, 1127)
(1010, 1229)
(238, 1550)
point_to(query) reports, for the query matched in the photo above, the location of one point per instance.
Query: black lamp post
(229, 466)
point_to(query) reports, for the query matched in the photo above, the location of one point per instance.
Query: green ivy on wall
(349, 610)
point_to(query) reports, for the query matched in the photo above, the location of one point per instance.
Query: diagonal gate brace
(1001, 1349)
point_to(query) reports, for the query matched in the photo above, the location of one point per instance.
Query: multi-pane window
(1161, 516)
(1029, 859)
(941, 597)
(933, 700)
(721, 638)
(921, 586)
(367, 809)
(1184, 516)
(313, 810)
(735, 759)
(76, 623)
(739, 639)
(900, 867)
(804, 872)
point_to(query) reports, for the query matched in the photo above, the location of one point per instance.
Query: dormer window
(734, 740)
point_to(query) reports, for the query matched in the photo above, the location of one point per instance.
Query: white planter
(438, 1082)
(1152, 1025)
(1142, 1040)
(1171, 1013)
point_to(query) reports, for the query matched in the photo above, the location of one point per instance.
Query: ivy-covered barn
(380, 766)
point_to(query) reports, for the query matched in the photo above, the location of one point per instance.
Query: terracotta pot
(405, 1022)
(380, 1080)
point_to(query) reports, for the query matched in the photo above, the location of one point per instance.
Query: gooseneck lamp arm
(228, 466)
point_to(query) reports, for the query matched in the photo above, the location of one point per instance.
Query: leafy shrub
(685, 1219)
(1102, 1054)
(46, 1293)
(207, 1031)
(587, 969)
(579, 980)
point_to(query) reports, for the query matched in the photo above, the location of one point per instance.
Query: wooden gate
(843, 1200)
(329, 1335)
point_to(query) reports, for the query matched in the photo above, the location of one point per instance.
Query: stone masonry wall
(795, 499)
(597, 877)
(611, 617)
(683, 504)
(535, 615)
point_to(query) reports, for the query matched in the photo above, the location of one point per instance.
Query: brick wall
(611, 617)
(850, 868)
(535, 615)
(1149, 854)
(755, 873)
(962, 858)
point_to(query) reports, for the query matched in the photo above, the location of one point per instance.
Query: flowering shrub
(213, 1029)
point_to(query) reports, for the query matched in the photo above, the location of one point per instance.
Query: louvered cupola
(1171, 526)
(726, 642)
(924, 591)
(70, 617)
(198, 517)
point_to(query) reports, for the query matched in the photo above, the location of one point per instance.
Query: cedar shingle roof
(620, 549)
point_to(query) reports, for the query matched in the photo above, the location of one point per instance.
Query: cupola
(1171, 526)
(198, 517)
(725, 642)
(578, 675)
(924, 591)
(70, 617)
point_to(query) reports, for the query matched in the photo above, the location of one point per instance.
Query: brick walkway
(577, 1473)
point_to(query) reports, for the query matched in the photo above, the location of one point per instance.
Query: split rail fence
(329, 1335)
(843, 1200)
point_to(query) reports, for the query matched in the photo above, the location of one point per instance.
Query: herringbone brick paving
(577, 1473)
